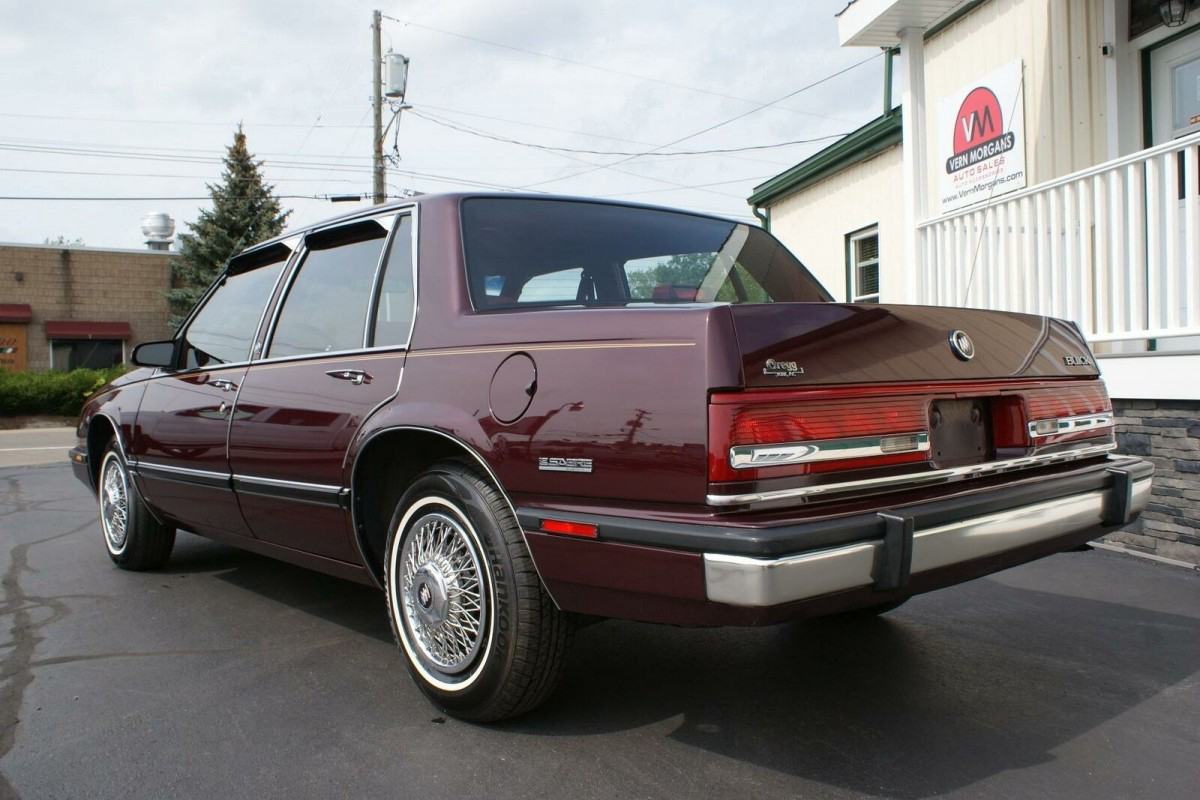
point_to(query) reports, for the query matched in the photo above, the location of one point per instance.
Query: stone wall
(1167, 432)
(85, 283)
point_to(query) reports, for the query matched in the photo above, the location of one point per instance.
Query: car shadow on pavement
(350, 605)
(923, 701)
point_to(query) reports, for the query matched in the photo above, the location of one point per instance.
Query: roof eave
(871, 139)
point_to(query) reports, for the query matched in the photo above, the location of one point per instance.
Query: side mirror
(155, 354)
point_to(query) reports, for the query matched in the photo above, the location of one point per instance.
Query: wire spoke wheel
(114, 504)
(133, 537)
(442, 592)
(480, 635)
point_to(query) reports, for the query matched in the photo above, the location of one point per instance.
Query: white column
(912, 59)
(1112, 132)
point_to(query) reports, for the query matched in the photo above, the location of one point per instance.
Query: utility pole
(379, 190)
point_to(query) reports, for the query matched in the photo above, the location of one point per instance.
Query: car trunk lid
(816, 344)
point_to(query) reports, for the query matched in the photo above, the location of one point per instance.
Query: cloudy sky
(138, 100)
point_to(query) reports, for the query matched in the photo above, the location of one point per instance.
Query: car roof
(422, 199)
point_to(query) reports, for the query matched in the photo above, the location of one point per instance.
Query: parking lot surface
(228, 674)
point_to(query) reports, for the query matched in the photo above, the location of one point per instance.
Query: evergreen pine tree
(245, 211)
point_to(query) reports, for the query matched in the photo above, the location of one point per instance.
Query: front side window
(224, 328)
(526, 252)
(862, 268)
(325, 309)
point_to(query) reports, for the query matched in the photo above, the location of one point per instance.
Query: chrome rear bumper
(759, 582)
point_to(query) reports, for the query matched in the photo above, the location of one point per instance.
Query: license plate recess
(960, 432)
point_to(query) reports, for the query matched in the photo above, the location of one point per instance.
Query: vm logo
(978, 119)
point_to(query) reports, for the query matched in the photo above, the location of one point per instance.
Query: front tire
(481, 637)
(133, 538)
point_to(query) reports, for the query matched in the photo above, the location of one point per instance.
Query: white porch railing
(1116, 248)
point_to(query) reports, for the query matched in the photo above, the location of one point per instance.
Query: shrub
(60, 393)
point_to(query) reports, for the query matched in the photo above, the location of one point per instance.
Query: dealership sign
(981, 139)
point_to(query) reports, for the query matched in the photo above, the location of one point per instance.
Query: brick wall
(85, 283)
(1167, 432)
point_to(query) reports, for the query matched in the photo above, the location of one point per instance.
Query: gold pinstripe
(510, 348)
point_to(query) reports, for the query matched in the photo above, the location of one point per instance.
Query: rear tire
(133, 538)
(876, 610)
(481, 637)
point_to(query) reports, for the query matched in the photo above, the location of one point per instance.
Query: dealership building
(1039, 156)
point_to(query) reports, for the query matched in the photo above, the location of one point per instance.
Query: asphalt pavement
(231, 675)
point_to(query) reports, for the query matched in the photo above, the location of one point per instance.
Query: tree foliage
(681, 270)
(64, 241)
(687, 271)
(244, 211)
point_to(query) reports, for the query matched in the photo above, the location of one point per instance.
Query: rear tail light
(813, 431)
(1077, 412)
(800, 437)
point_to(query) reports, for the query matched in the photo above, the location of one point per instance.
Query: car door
(335, 352)
(182, 427)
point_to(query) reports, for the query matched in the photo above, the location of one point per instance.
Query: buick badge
(962, 345)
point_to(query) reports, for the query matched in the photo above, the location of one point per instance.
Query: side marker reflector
(569, 528)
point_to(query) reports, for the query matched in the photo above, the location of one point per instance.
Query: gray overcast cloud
(139, 99)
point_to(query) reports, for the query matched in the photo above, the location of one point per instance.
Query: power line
(309, 165)
(130, 121)
(744, 114)
(116, 199)
(203, 155)
(697, 186)
(532, 124)
(599, 68)
(714, 151)
(25, 142)
(568, 155)
(151, 175)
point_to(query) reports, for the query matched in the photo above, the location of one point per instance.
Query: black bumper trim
(80, 466)
(895, 561)
(780, 540)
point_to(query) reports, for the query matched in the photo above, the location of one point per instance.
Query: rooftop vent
(159, 230)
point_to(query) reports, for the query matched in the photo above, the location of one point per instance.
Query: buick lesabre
(512, 412)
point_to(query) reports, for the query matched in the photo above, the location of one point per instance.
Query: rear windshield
(523, 253)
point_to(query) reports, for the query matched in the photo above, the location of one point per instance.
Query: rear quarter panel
(626, 389)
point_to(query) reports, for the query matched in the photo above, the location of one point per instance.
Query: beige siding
(813, 222)
(1059, 43)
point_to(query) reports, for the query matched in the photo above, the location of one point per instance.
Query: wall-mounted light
(18, 276)
(1173, 12)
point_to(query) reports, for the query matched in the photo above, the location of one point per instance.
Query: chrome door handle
(223, 384)
(355, 376)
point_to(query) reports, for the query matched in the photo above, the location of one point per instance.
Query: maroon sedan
(508, 410)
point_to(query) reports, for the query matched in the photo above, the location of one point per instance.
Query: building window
(862, 266)
(86, 353)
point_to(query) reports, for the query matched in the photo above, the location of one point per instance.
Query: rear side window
(552, 287)
(397, 301)
(325, 309)
(529, 252)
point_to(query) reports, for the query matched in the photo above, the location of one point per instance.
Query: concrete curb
(1120, 548)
